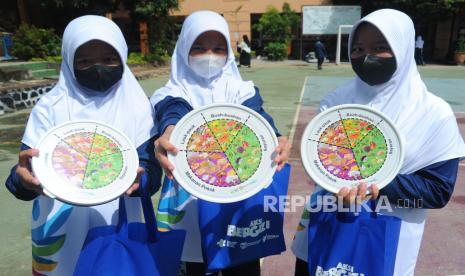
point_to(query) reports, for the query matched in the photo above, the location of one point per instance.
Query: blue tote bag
(237, 233)
(345, 243)
(131, 248)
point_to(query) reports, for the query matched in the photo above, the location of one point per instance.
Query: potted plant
(459, 55)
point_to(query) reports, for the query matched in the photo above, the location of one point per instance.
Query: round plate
(351, 144)
(225, 152)
(85, 163)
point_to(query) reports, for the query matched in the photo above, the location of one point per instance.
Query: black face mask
(99, 77)
(374, 70)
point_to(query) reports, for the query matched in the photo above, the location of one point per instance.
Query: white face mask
(207, 65)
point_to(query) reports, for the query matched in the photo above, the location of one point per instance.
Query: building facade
(242, 14)
(440, 35)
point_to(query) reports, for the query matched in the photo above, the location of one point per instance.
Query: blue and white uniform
(58, 229)
(433, 144)
(184, 92)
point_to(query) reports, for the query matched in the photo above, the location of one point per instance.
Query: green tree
(153, 12)
(31, 42)
(147, 9)
(95, 7)
(161, 27)
(276, 28)
(292, 18)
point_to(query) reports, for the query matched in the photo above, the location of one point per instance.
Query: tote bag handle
(147, 207)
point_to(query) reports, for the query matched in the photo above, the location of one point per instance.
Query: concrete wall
(21, 98)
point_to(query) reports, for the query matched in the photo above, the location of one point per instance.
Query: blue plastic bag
(131, 248)
(347, 243)
(240, 232)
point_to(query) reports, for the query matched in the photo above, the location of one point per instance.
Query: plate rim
(106, 199)
(311, 124)
(230, 199)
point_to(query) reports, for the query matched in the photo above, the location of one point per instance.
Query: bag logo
(340, 270)
(255, 228)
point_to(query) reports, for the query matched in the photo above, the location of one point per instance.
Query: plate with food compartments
(346, 145)
(225, 152)
(85, 162)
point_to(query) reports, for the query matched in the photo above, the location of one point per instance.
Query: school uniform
(59, 229)
(432, 142)
(244, 53)
(184, 92)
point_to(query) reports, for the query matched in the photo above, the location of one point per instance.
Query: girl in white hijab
(96, 84)
(382, 46)
(203, 71)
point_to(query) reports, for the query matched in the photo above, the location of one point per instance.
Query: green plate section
(356, 129)
(225, 131)
(102, 171)
(102, 146)
(371, 153)
(245, 153)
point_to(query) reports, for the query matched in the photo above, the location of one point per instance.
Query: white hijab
(226, 87)
(426, 122)
(125, 106)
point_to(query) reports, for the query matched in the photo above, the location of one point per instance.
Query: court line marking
(297, 112)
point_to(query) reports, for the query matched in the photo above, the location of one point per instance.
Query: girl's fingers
(283, 150)
(167, 146)
(132, 189)
(374, 191)
(362, 192)
(165, 163)
(26, 178)
(24, 173)
(25, 156)
(279, 158)
(352, 195)
(140, 172)
(168, 174)
(135, 186)
(343, 192)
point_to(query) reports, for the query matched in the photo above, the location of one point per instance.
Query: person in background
(419, 43)
(320, 52)
(381, 51)
(95, 84)
(244, 49)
